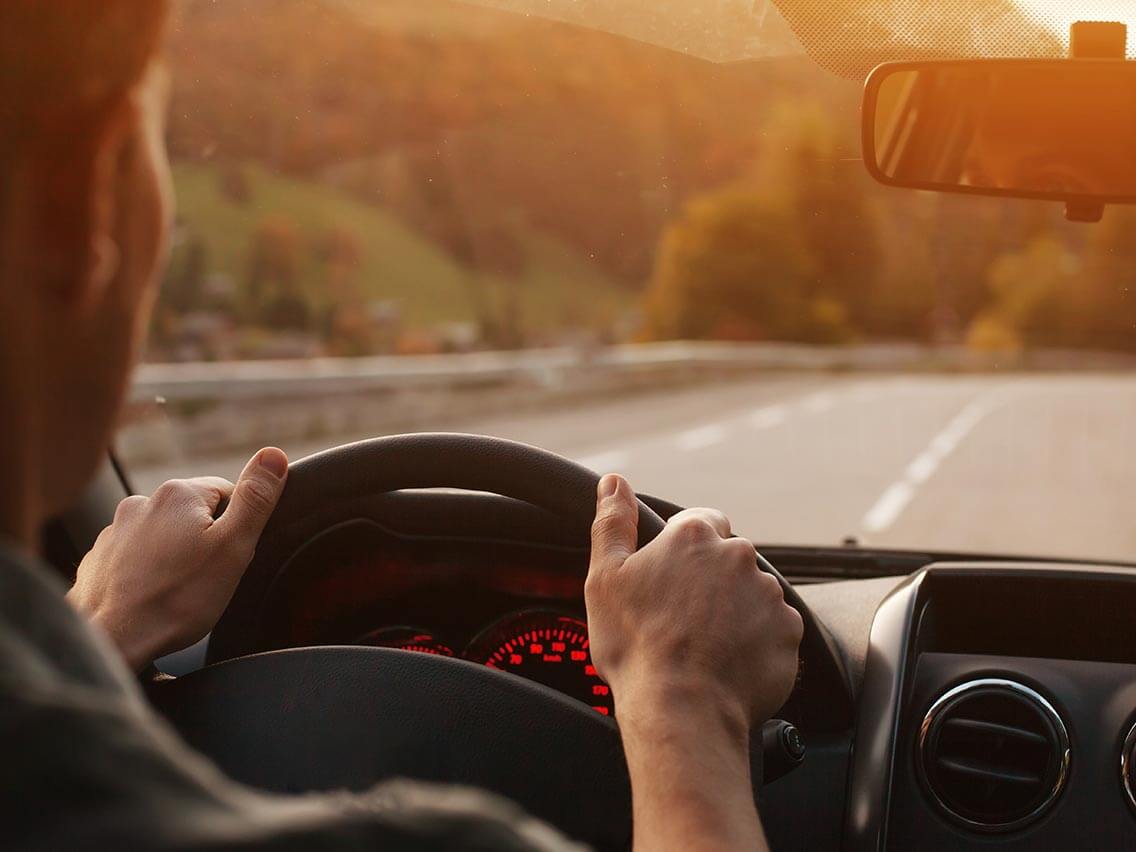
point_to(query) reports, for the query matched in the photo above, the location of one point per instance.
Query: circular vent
(1128, 766)
(993, 753)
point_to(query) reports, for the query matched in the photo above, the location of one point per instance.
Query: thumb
(615, 531)
(255, 495)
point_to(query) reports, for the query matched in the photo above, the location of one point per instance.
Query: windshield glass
(418, 215)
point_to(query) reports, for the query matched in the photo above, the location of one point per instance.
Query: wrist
(687, 747)
(680, 708)
(131, 645)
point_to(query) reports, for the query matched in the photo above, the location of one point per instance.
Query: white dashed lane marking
(817, 402)
(768, 417)
(609, 462)
(703, 436)
(899, 494)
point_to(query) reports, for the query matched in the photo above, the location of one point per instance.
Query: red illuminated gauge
(546, 647)
(406, 639)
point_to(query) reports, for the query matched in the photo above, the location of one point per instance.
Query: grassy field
(558, 287)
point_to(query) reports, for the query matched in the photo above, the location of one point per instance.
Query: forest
(423, 175)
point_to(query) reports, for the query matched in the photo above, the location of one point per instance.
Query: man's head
(84, 210)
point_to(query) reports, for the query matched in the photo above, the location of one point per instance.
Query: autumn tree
(346, 325)
(183, 289)
(272, 294)
(1029, 290)
(734, 267)
(1105, 298)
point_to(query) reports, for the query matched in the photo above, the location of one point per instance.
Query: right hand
(688, 620)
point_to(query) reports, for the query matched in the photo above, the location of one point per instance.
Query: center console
(999, 711)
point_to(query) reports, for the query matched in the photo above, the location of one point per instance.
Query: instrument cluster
(546, 646)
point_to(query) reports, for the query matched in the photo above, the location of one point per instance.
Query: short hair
(63, 65)
(64, 62)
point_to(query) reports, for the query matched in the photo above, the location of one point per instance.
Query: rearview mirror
(1053, 129)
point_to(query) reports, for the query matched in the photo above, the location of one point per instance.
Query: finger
(213, 491)
(615, 531)
(713, 517)
(253, 498)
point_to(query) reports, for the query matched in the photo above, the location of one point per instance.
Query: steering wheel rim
(447, 460)
(414, 461)
(243, 710)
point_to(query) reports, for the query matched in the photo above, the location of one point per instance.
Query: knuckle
(257, 495)
(692, 529)
(603, 525)
(172, 491)
(741, 552)
(796, 624)
(717, 518)
(128, 507)
(771, 586)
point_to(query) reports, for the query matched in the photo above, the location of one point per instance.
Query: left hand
(161, 574)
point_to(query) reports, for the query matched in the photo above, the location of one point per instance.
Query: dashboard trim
(1128, 766)
(877, 721)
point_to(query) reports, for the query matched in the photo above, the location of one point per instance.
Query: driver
(84, 211)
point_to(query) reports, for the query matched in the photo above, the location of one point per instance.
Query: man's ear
(70, 198)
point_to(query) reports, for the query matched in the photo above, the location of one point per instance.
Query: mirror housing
(1058, 130)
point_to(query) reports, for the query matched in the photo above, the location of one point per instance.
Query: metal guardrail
(231, 380)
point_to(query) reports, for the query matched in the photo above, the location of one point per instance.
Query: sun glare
(1059, 14)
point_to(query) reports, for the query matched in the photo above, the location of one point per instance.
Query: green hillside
(397, 263)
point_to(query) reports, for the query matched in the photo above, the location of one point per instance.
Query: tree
(1029, 291)
(1104, 306)
(735, 267)
(184, 287)
(272, 288)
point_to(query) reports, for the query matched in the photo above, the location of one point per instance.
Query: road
(1038, 464)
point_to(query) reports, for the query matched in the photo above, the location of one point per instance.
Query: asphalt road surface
(1032, 464)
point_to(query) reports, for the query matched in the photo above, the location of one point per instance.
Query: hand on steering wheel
(690, 614)
(159, 577)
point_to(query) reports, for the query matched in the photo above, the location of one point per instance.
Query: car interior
(415, 606)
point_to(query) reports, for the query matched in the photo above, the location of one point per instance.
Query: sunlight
(1057, 15)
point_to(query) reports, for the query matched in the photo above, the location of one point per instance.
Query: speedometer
(547, 647)
(406, 639)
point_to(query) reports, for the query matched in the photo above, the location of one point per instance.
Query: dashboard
(995, 703)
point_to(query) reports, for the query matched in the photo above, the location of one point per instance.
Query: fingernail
(609, 484)
(274, 461)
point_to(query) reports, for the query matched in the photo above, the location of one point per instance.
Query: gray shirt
(85, 763)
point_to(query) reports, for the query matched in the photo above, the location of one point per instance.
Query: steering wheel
(347, 717)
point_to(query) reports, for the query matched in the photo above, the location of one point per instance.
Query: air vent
(994, 754)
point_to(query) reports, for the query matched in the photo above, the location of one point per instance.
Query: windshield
(417, 215)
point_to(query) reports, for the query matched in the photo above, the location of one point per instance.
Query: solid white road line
(703, 436)
(899, 494)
